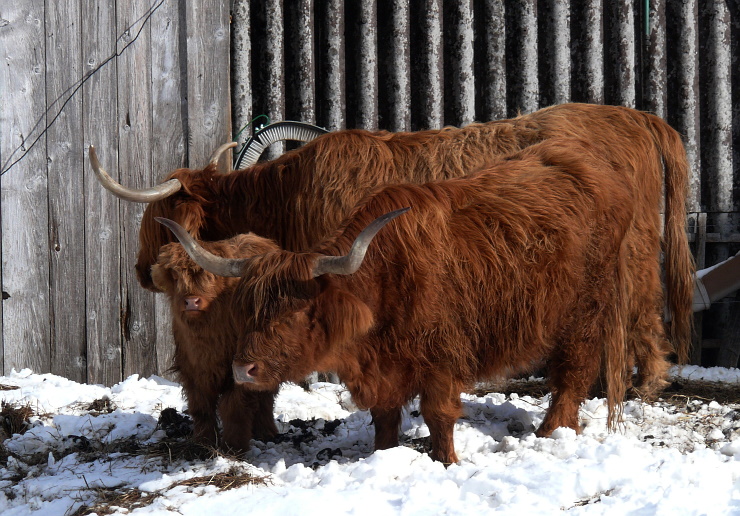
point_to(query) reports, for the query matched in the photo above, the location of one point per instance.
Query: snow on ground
(666, 459)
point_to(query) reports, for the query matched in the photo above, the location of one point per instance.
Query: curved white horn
(147, 195)
(228, 267)
(217, 153)
(349, 263)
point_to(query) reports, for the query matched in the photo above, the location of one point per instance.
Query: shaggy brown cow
(299, 198)
(521, 264)
(206, 336)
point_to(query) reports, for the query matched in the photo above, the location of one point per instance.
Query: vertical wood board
(23, 204)
(66, 191)
(102, 218)
(169, 120)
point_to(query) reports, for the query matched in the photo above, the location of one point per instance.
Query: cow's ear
(162, 278)
(343, 315)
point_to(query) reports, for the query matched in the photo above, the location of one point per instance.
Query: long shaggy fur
(301, 197)
(521, 264)
(206, 343)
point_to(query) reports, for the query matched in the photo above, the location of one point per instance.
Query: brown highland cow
(301, 197)
(206, 336)
(521, 264)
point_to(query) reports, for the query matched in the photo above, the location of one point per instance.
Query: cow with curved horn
(521, 264)
(299, 198)
(206, 339)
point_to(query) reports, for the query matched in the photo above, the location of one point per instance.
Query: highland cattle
(301, 197)
(519, 265)
(206, 336)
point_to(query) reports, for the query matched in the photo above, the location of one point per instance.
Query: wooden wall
(144, 81)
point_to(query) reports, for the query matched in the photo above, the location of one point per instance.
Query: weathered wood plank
(268, 58)
(682, 42)
(655, 90)
(716, 139)
(427, 67)
(102, 230)
(367, 60)
(24, 205)
(135, 154)
(241, 70)
(491, 65)
(299, 62)
(209, 101)
(522, 59)
(168, 138)
(332, 106)
(65, 149)
(554, 42)
(459, 69)
(620, 70)
(398, 100)
(588, 51)
(361, 35)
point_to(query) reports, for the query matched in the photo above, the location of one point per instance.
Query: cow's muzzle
(244, 373)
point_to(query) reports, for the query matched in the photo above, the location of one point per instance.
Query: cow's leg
(387, 426)
(263, 426)
(650, 348)
(441, 408)
(202, 400)
(573, 370)
(237, 409)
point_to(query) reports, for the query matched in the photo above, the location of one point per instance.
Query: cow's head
(303, 319)
(192, 290)
(185, 196)
(300, 323)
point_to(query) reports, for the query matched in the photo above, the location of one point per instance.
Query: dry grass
(234, 478)
(111, 500)
(4, 387)
(114, 499)
(14, 419)
(100, 406)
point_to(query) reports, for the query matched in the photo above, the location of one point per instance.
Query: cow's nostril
(192, 303)
(245, 373)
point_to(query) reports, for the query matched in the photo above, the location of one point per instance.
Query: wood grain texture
(208, 65)
(65, 149)
(134, 164)
(169, 119)
(102, 218)
(24, 208)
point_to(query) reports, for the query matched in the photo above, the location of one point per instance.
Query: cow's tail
(678, 262)
(615, 353)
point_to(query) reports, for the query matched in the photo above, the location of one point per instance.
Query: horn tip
(166, 222)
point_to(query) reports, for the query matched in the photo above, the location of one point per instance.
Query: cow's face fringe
(299, 323)
(180, 278)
